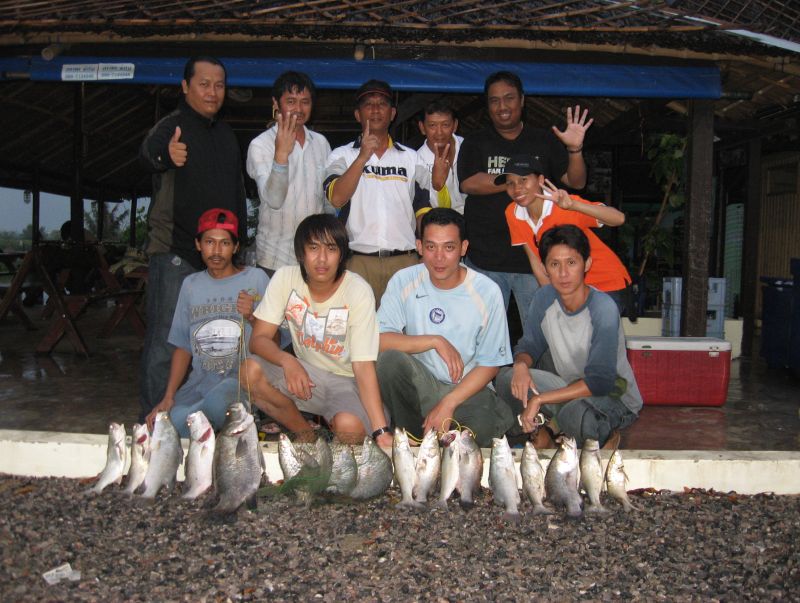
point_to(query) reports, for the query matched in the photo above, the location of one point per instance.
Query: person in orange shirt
(538, 205)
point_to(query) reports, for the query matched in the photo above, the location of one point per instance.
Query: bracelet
(381, 431)
(575, 151)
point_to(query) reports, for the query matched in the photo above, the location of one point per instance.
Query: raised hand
(442, 154)
(369, 142)
(557, 195)
(177, 149)
(285, 137)
(441, 165)
(575, 131)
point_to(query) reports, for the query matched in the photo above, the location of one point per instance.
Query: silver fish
(561, 479)
(470, 469)
(533, 479)
(404, 474)
(238, 461)
(427, 467)
(451, 459)
(374, 471)
(617, 481)
(503, 478)
(140, 457)
(200, 458)
(592, 475)
(287, 457)
(344, 471)
(166, 455)
(116, 453)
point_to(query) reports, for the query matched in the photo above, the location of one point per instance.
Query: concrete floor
(66, 392)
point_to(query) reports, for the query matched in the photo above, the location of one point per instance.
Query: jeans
(214, 406)
(595, 417)
(410, 392)
(165, 275)
(522, 285)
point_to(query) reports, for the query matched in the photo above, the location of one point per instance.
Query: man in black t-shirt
(483, 156)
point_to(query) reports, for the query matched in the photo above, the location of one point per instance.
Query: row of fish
(231, 462)
(333, 468)
(560, 485)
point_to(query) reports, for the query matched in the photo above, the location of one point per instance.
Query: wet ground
(67, 392)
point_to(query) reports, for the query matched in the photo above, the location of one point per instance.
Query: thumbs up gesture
(177, 149)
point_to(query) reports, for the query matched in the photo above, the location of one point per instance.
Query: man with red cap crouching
(211, 322)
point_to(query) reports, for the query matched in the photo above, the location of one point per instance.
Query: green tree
(141, 228)
(666, 151)
(114, 222)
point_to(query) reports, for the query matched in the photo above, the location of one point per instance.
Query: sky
(16, 215)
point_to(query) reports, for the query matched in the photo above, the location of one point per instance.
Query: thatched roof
(761, 79)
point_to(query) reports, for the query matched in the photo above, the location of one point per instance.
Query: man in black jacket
(196, 165)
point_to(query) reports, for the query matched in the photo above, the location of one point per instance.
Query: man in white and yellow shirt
(378, 188)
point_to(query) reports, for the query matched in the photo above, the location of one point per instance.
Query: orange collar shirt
(607, 273)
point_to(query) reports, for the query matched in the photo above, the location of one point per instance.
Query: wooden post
(752, 224)
(132, 232)
(76, 200)
(101, 217)
(35, 235)
(694, 304)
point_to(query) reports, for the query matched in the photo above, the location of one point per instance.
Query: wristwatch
(380, 431)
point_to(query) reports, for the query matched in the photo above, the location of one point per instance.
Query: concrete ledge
(54, 454)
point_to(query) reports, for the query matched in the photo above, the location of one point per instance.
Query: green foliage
(667, 155)
(114, 222)
(141, 229)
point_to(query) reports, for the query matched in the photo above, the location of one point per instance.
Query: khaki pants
(378, 270)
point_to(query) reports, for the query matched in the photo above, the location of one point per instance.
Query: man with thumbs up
(379, 189)
(196, 165)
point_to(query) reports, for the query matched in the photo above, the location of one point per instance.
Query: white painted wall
(50, 454)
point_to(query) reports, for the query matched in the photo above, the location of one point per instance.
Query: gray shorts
(331, 395)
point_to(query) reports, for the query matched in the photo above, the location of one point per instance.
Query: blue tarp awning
(543, 79)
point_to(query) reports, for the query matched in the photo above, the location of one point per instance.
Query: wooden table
(10, 301)
(64, 306)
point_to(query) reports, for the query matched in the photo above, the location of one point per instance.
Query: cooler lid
(683, 344)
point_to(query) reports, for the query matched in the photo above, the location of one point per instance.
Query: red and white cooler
(681, 371)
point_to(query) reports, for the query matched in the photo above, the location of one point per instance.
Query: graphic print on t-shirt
(324, 334)
(217, 344)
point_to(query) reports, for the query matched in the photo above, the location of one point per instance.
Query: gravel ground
(697, 546)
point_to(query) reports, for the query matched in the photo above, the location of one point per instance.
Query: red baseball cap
(218, 218)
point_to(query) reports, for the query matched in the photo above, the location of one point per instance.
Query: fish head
(400, 438)
(117, 432)
(591, 445)
(530, 450)
(237, 420)
(567, 443)
(200, 429)
(140, 433)
(448, 437)
(430, 441)
(467, 440)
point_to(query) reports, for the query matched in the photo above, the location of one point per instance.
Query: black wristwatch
(381, 431)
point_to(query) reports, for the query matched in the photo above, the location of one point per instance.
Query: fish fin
(598, 509)
(512, 516)
(411, 504)
(241, 448)
(441, 504)
(542, 510)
